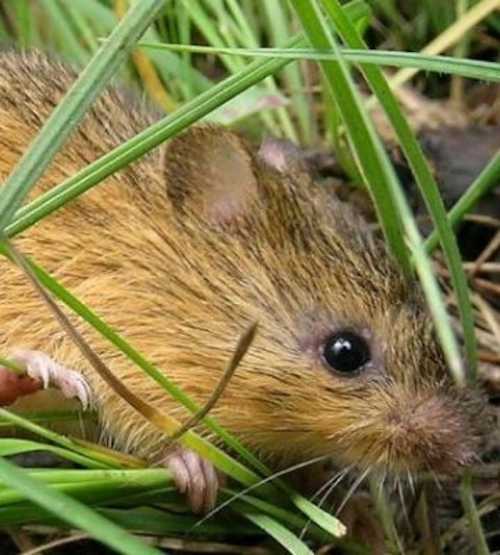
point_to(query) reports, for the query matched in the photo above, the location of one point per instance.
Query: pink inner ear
(232, 185)
(279, 154)
(211, 171)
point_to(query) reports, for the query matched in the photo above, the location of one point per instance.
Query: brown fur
(181, 251)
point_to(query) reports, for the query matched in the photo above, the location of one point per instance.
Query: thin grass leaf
(164, 129)
(10, 447)
(473, 69)
(280, 533)
(73, 107)
(73, 512)
(485, 181)
(373, 161)
(52, 416)
(467, 496)
(453, 34)
(63, 35)
(58, 439)
(430, 192)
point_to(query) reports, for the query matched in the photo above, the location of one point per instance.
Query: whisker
(403, 502)
(436, 480)
(352, 489)
(257, 485)
(411, 482)
(338, 477)
(329, 485)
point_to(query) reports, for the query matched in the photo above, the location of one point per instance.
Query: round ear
(210, 171)
(282, 155)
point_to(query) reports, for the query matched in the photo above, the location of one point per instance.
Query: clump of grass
(107, 496)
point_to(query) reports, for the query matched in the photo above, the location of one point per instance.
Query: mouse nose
(432, 434)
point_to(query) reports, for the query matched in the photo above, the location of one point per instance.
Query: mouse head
(346, 362)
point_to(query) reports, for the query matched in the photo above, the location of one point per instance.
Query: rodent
(183, 249)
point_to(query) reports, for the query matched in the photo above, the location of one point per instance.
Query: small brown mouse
(180, 252)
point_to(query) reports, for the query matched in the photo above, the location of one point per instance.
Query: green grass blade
(136, 147)
(73, 107)
(485, 181)
(373, 161)
(10, 447)
(73, 512)
(279, 532)
(430, 192)
(473, 69)
(58, 439)
(467, 496)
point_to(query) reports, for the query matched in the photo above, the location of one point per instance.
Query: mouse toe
(195, 477)
(49, 373)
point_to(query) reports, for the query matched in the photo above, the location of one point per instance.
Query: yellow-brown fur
(180, 251)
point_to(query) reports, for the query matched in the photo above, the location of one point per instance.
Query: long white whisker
(352, 489)
(403, 501)
(329, 485)
(411, 482)
(338, 477)
(436, 480)
(257, 485)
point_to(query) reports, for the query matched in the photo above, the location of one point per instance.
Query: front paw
(195, 477)
(46, 372)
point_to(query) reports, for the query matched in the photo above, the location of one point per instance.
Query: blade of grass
(430, 192)
(73, 512)
(167, 127)
(467, 496)
(448, 38)
(474, 69)
(10, 447)
(485, 181)
(64, 36)
(58, 439)
(277, 22)
(373, 161)
(146, 69)
(74, 105)
(279, 532)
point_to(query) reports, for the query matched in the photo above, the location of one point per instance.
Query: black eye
(346, 352)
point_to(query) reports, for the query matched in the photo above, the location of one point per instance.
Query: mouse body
(183, 249)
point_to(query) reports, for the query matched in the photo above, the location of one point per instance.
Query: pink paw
(49, 373)
(195, 477)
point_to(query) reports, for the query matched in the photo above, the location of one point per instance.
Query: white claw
(40, 366)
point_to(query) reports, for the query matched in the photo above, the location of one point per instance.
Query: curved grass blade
(10, 447)
(373, 161)
(485, 181)
(99, 459)
(430, 192)
(473, 69)
(73, 107)
(280, 533)
(157, 133)
(73, 512)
